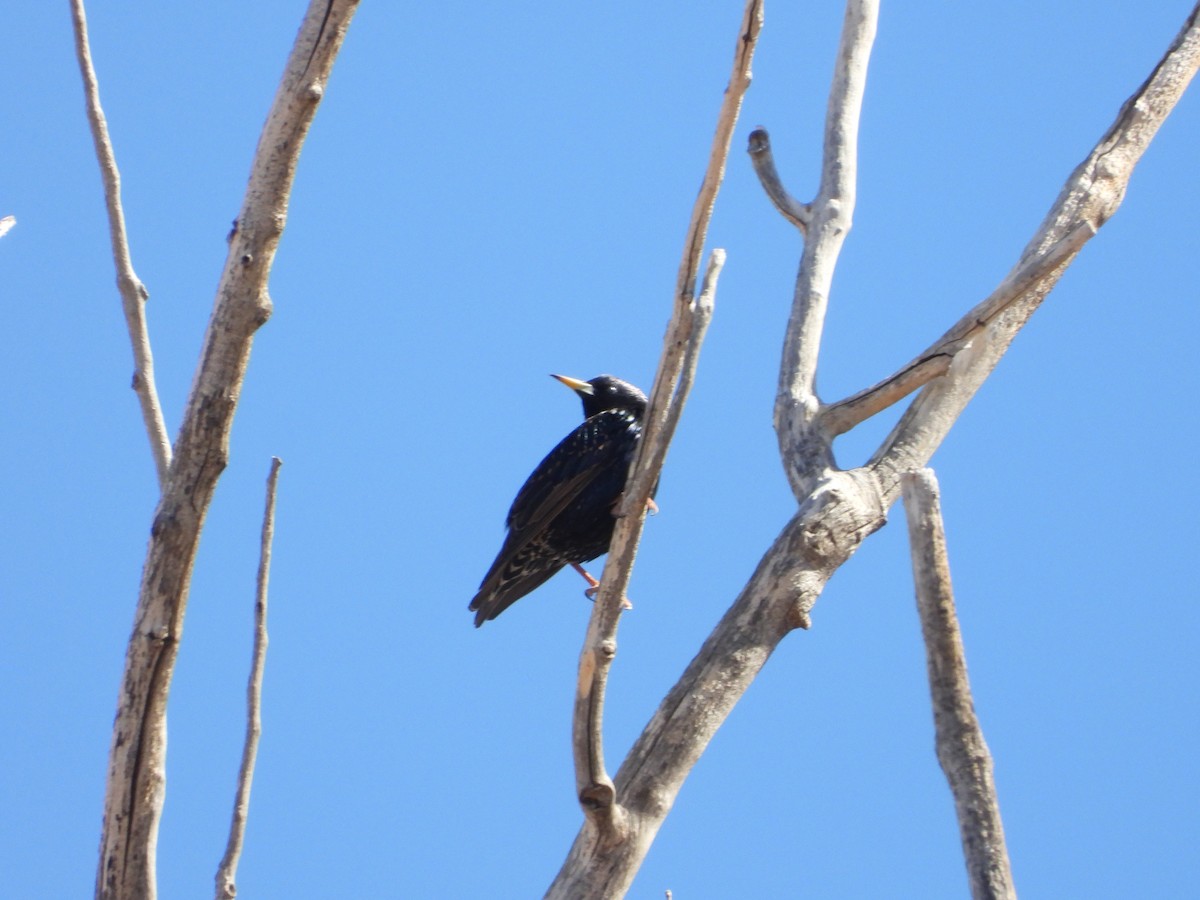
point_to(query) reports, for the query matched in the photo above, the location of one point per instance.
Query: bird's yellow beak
(581, 387)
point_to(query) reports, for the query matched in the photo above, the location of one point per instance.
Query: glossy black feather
(564, 512)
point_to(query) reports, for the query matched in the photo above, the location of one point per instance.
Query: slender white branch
(6, 224)
(133, 292)
(806, 450)
(714, 173)
(961, 749)
(227, 870)
(134, 792)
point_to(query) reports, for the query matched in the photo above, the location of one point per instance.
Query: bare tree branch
(609, 849)
(594, 786)
(785, 584)
(6, 224)
(837, 509)
(759, 148)
(1088, 199)
(227, 870)
(838, 418)
(136, 772)
(607, 822)
(961, 749)
(133, 292)
(806, 451)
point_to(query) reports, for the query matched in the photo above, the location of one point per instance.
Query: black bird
(563, 515)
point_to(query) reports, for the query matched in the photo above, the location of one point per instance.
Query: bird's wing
(512, 576)
(567, 470)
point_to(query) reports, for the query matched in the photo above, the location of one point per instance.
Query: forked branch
(134, 791)
(838, 508)
(607, 820)
(806, 451)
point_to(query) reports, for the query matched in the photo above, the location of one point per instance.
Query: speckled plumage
(564, 512)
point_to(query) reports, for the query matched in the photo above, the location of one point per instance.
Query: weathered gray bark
(133, 293)
(839, 508)
(136, 771)
(672, 383)
(961, 749)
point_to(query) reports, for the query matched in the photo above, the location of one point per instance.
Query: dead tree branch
(595, 787)
(806, 453)
(133, 293)
(227, 870)
(607, 822)
(136, 772)
(759, 148)
(839, 508)
(1089, 198)
(961, 749)
(934, 361)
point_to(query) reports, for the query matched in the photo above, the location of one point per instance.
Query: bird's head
(605, 392)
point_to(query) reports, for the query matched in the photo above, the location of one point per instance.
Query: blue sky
(494, 192)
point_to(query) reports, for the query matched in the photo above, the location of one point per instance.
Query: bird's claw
(591, 592)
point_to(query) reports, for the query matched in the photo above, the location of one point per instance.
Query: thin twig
(668, 395)
(714, 173)
(701, 316)
(838, 418)
(961, 749)
(761, 157)
(133, 292)
(135, 789)
(227, 870)
(6, 224)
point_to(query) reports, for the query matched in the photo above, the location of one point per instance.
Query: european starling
(563, 515)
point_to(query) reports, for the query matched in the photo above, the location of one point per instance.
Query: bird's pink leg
(594, 585)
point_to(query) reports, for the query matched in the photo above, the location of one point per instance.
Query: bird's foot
(651, 506)
(594, 586)
(590, 593)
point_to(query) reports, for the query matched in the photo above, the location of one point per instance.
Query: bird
(564, 514)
